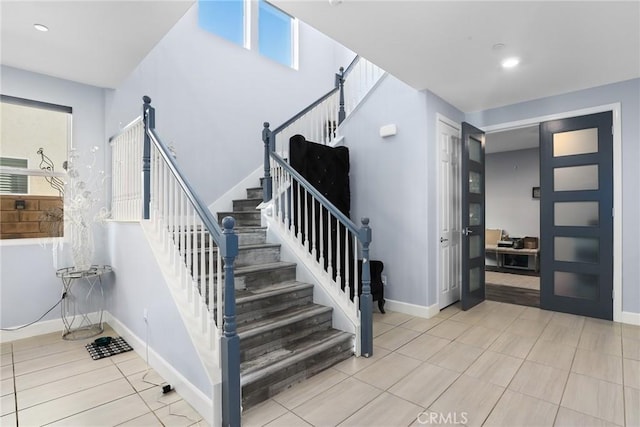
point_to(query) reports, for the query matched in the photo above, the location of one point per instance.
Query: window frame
(25, 102)
(11, 171)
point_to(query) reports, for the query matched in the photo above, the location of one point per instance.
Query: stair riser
(261, 279)
(267, 387)
(278, 337)
(260, 308)
(244, 238)
(243, 219)
(252, 256)
(246, 204)
(258, 256)
(254, 193)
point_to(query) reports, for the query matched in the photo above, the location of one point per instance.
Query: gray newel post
(231, 395)
(366, 300)
(340, 79)
(149, 119)
(266, 182)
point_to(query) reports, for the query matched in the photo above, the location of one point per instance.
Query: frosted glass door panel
(575, 285)
(583, 141)
(577, 249)
(581, 214)
(475, 214)
(475, 182)
(575, 178)
(474, 279)
(475, 150)
(475, 246)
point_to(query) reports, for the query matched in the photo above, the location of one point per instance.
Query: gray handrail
(350, 66)
(227, 242)
(305, 111)
(318, 195)
(207, 218)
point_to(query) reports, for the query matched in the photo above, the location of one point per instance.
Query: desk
(82, 316)
(500, 252)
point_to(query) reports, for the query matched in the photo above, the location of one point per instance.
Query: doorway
(615, 173)
(513, 216)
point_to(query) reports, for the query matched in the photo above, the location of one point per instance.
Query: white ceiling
(446, 46)
(443, 46)
(512, 139)
(93, 42)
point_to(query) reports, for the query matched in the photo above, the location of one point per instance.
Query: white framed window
(13, 183)
(277, 34)
(35, 139)
(255, 25)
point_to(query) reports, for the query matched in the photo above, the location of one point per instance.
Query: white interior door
(449, 272)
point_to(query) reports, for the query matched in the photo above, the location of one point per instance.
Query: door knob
(442, 240)
(467, 231)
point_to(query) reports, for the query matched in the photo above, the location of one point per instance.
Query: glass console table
(82, 308)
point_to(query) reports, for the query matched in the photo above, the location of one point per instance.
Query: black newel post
(230, 342)
(341, 112)
(366, 300)
(149, 119)
(266, 182)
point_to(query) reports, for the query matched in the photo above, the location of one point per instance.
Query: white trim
(366, 95)
(630, 318)
(412, 309)
(440, 121)
(40, 241)
(224, 203)
(444, 119)
(617, 186)
(39, 328)
(193, 395)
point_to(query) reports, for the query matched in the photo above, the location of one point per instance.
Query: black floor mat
(116, 346)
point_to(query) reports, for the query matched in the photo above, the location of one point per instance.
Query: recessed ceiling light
(41, 27)
(510, 62)
(498, 46)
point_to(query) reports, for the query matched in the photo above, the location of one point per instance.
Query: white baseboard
(40, 328)
(630, 318)
(193, 395)
(412, 309)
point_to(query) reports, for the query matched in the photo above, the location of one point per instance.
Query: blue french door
(472, 289)
(576, 218)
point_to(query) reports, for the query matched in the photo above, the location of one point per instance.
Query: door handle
(442, 240)
(467, 231)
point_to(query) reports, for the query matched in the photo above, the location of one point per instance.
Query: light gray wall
(212, 97)
(28, 284)
(509, 206)
(392, 180)
(140, 285)
(626, 93)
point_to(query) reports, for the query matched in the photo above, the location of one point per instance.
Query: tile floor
(54, 382)
(495, 365)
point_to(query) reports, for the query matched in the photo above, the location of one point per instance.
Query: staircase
(284, 336)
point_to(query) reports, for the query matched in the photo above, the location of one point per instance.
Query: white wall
(139, 285)
(626, 93)
(392, 180)
(28, 285)
(212, 97)
(509, 206)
